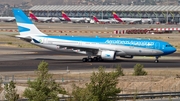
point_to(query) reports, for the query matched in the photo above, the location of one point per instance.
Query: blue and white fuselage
(101, 48)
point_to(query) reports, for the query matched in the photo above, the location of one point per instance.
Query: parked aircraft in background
(132, 20)
(44, 19)
(104, 20)
(7, 19)
(75, 20)
(100, 48)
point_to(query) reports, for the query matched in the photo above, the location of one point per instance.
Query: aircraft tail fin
(116, 17)
(95, 19)
(32, 16)
(65, 16)
(25, 25)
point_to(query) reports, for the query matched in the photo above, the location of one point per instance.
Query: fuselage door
(157, 45)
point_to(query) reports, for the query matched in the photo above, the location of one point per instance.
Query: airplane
(132, 20)
(44, 19)
(7, 19)
(104, 20)
(100, 48)
(75, 20)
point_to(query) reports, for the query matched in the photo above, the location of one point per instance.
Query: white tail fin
(25, 26)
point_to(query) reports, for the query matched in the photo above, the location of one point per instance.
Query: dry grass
(156, 80)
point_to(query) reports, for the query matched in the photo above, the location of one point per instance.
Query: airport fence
(65, 31)
(147, 31)
(133, 97)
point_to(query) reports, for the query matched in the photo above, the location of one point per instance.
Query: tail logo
(65, 17)
(23, 29)
(95, 19)
(116, 17)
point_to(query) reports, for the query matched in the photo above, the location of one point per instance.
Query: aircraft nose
(172, 50)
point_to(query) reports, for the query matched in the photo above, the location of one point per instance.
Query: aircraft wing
(81, 46)
(77, 45)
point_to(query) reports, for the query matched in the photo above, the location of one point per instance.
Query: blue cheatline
(21, 16)
(36, 41)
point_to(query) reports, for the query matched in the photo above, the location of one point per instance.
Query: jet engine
(108, 55)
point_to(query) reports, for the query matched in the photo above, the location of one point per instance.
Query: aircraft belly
(141, 51)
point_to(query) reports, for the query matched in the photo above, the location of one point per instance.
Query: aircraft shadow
(106, 61)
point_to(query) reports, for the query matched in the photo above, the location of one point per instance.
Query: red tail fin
(116, 17)
(32, 16)
(65, 17)
(95, 19)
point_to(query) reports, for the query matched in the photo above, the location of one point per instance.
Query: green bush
(138, 70)
(9, 43)
(119, 70)
(102, 87)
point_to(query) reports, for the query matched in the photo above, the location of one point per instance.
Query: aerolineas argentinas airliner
(96, 47)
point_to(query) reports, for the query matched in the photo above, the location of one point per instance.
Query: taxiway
(27, 59)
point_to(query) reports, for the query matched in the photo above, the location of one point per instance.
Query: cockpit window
(168, 45)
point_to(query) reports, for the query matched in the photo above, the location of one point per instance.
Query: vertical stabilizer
(116, 17)
(25, 25)
(95, 19)
(32, 16)
(65, 17)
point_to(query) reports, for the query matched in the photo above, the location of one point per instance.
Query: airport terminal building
(160, 13)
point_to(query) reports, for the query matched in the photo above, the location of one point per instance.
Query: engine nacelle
(108, 55)
(127, 56)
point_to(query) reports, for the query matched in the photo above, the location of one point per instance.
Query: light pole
(102, 14)
(167, 12)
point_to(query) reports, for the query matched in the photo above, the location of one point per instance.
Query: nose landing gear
(157, 61)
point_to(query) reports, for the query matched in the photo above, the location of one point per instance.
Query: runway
(27, 59)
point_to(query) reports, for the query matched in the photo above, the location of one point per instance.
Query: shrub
(138, 70)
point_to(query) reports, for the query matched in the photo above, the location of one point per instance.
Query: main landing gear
(156, 61)
(89, 59)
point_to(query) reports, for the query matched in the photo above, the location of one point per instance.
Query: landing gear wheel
(84, 60)
(90, 59)
(95, 59)
(99, 59)
(156, 61)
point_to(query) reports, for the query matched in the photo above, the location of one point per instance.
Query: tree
(11, 92)
(138, 70)
(102, 86)
(43, 87)
(81, 94)
(1, 88)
